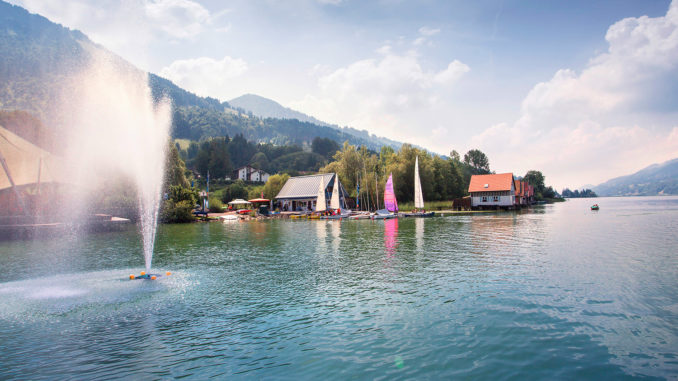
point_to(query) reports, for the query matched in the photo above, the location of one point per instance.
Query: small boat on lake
(419, 210)
(390, 202)
(595, 207)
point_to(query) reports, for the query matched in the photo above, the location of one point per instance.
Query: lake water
(558, 291)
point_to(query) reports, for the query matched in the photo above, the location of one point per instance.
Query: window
(496, 198)
(484, 198)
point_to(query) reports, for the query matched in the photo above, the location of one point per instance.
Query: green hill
(657, 179)
(38, 56)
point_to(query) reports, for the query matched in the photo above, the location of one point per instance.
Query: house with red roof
(492, 191)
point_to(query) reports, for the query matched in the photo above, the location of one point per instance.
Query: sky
(583, 91)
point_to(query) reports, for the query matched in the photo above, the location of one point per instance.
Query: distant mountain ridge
(657, 179)
(268, 108)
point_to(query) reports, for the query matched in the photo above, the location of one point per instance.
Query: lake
(556, 291)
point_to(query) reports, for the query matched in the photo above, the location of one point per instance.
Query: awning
(238, 201)
(259, 200)
(27, 163)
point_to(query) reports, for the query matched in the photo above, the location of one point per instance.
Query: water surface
(558, 291)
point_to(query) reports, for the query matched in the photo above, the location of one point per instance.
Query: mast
(376, 189)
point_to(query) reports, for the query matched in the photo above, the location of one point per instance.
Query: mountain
(39, 56)
(657, 179)
(268, 108)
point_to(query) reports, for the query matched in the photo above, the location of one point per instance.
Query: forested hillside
(657, 179)
(38, 56)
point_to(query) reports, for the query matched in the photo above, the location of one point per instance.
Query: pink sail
(389, 196)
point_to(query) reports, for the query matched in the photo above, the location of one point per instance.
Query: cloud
(607, 120)
(382, 94)
(426, 31)
(132, 28)
(178, 18)
(204, 75)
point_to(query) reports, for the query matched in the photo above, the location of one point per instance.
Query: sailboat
(418, 196)
(320, 203)
(335, 205)
(390, 202)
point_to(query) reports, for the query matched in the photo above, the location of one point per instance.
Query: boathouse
(301, 193)
(492, 191)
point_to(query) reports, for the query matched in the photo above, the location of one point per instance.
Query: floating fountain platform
(143, 275)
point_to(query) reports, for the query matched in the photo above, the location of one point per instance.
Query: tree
(274, 185)
(175, 168)
(260, 161)
(536, 179)
(220, 162)
(478, 160)
(324, 146)
(454, 155)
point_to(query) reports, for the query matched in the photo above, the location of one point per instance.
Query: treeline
(222, 155)
(441, 178)
(584, 193)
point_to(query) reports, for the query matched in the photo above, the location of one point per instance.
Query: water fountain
(115, 127)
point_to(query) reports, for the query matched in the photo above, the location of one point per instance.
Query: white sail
(321, 203)
(334, 202)
(418, 197)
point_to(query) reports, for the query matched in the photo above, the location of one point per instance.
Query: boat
(383, 214)
(335, 204)
(419, 210)
(229, 218)
(390, 202)
(595, 207)
(360, 216)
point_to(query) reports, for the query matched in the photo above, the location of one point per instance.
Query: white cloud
(382, 94)
(607, 120)
(426, 31)
(178, 18)
(131, 27)
(205, 76)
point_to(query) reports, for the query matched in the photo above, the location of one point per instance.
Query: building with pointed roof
(301, 193)
(491, 191)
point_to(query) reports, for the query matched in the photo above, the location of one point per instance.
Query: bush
(176, 212)
(233, 191)
(216, 205)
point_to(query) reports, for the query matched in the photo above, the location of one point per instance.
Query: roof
(251, 167)
(491, 183)
(304, 186)
(27, 162)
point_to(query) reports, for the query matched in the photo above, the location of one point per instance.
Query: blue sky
(582, 90)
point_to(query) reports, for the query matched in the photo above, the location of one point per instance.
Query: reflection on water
(321, 236)
(419, 233)
(335, 230)
(391, 236)
(552, 291)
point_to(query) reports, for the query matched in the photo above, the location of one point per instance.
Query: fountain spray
(115, 127)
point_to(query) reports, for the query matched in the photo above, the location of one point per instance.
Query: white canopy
(238, 201)
(26, 162)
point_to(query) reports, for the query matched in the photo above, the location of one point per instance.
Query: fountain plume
(113, 128)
